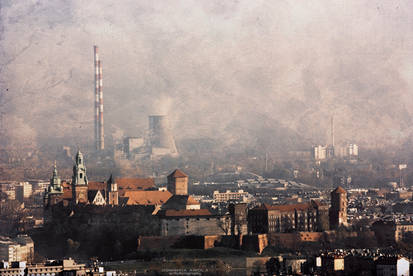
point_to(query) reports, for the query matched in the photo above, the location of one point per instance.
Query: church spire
(55, 180)
(79, 180)
(54, 192)
(79, 171)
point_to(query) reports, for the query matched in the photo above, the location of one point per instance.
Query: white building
(319, 152)
(348, 150)
(240, 195)
(353, 150)
(392, 266)
(18, 249)
(23, 191)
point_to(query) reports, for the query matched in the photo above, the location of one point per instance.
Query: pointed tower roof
(54, 170)
(177, 174)
(79, 154)
(111, 180)
(55, 182)
(339, 190)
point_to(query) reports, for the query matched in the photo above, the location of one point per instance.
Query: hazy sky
(233, 70)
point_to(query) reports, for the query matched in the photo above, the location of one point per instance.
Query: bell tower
(113, 195)
(79, 180)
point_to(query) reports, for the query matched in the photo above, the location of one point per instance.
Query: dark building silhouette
(338, 209)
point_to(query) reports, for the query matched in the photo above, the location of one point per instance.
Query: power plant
(99, 131)
(157, 142)
(161, 141)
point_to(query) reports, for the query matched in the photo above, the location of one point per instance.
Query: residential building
(65, 267)
(240, 195)
(392, 266)
(23, 191)
(16, 249)
(388, 232)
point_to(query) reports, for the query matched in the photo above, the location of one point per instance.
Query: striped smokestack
(98, 111)
(101, 132)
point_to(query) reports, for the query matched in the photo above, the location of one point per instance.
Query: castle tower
(79, 180)
(112, 192)
(338, 209)
(54, 192)
(178, 183)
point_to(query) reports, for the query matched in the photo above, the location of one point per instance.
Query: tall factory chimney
(332, 131)
(99, 131)
(160, 136)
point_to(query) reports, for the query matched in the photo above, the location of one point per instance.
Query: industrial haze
(257, 73)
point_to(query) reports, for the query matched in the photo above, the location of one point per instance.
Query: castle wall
(193, 226)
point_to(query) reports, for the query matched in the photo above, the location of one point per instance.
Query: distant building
(319, 152)
(338, 209)
(350, 151)
(8, 188)
(18, 249)
(330, 153)
(388, 233)
(389, 266)
(310, 216)
(240, 195)
(331, 264)
(65, 267)
(239, 214)
(353, 150)
(132, 144)
(23, 191)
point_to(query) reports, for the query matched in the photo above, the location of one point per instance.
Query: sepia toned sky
(236, 71)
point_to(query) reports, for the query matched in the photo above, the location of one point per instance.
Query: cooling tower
(160, 136)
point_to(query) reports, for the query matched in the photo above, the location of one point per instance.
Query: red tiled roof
(147, 197)
(124, 185)
(96, 185)
(179, 202)
(178, 174)
(184, 213)
(134, 184)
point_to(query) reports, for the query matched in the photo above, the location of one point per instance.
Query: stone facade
(287, 218)
(192, 222)
(178, 183)
(338, 209)
(238, 214)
